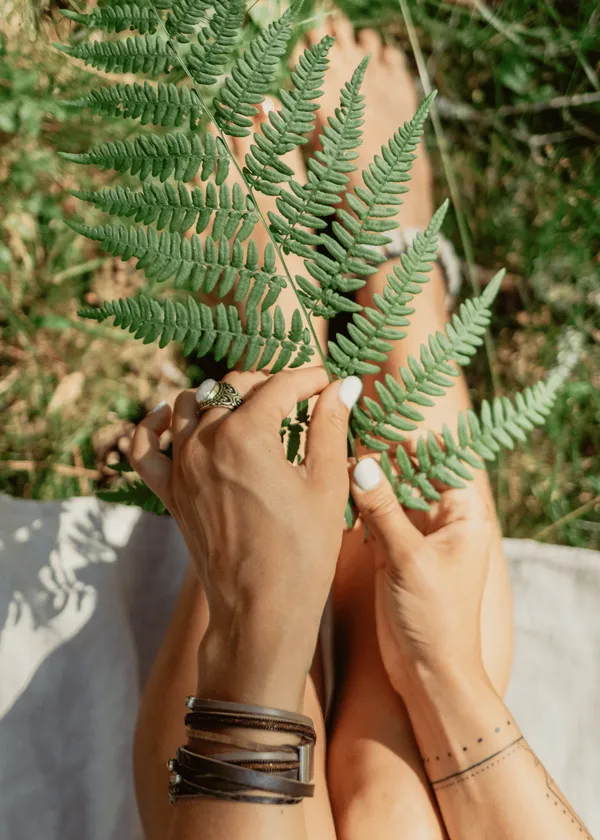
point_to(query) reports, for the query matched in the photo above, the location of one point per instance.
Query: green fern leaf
(172, 155)
(287, 128)
(164, 105)
(117, 18)
(141, 54)
(185, 16)
(216, 41)
(498, 426)
(429, 377)
(220, 332)
(251, 77)
(230, 211)
(196, 264)
(350, 251)
(307, 206)
(137, 494)
(371, 331)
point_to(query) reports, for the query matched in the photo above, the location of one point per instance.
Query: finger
(185, 420)
(273, 402)
(327, 438)
(244, 383)
(377, 504)
(145, 456)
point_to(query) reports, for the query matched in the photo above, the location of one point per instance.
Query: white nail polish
(350, 390)
(367, 474)
(158, 407)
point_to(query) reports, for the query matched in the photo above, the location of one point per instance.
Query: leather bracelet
(193, 791)
(199, 720)
(197, 768)
(199, 704)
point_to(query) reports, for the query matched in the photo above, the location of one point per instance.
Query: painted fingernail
(367, 474)
(350, 390)
(158, 407)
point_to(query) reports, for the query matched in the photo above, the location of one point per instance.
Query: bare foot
(390, 100)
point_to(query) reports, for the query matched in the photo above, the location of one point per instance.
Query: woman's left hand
(264, 535)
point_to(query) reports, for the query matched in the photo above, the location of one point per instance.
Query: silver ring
(212, 394)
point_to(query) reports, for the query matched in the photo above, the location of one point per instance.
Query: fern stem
(250, 192)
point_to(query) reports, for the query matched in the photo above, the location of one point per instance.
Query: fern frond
(164, 105)
(143, 18)
(196, 264)
(185, 16)
(140, 54)
(216, 41)
(252, 75)
(372, 330)
(219, 331)
(287, 128)
(500, 424)
(138, 494)
(351, 255)
(308, 205)
(174, 154)
(230, 211)
(427, 378)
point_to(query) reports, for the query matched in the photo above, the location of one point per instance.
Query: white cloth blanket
(86, 591)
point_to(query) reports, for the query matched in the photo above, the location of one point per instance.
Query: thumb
(327, 438)
(145, 456)
(378, 506)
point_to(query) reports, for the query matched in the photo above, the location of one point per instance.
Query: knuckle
(338, 421)
(381, 504)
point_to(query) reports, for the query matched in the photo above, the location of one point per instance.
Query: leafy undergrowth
(520, 108)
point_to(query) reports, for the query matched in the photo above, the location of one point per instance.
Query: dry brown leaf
(67, 391)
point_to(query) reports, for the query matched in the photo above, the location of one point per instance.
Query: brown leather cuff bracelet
(201, 769)
(274, 774)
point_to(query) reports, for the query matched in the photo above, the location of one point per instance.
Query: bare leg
(376, 777)
(160, 728)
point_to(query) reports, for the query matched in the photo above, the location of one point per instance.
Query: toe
(370, 41)
(319, 30)
(392, 56)
(343, 31)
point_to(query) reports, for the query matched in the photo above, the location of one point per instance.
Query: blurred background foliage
(519, 108)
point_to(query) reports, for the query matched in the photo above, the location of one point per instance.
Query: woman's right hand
(429, 580)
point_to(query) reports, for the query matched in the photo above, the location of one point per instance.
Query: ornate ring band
(212, 394)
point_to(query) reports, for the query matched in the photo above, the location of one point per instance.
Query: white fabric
(86, 591)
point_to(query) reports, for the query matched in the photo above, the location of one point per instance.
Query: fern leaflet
(251, 77)
(308, 205)
(220, 332)
(216, 42)
(230, 211)
(141, 54)
(171, 155)
(286, 128)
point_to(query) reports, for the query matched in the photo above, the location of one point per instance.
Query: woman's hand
(429, 579)
(264, 535)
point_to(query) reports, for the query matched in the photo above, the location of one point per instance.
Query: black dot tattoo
(464, 749)
(480, 740)
(497, 729)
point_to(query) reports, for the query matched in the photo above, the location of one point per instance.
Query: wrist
(243, 668)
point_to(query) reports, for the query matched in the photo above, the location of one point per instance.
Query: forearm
(487, 780)
(242, 675)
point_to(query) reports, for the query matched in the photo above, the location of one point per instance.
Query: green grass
(519, 106)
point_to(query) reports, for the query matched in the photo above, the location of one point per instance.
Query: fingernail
(350, 390)
(159, 406)
(367, 474)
